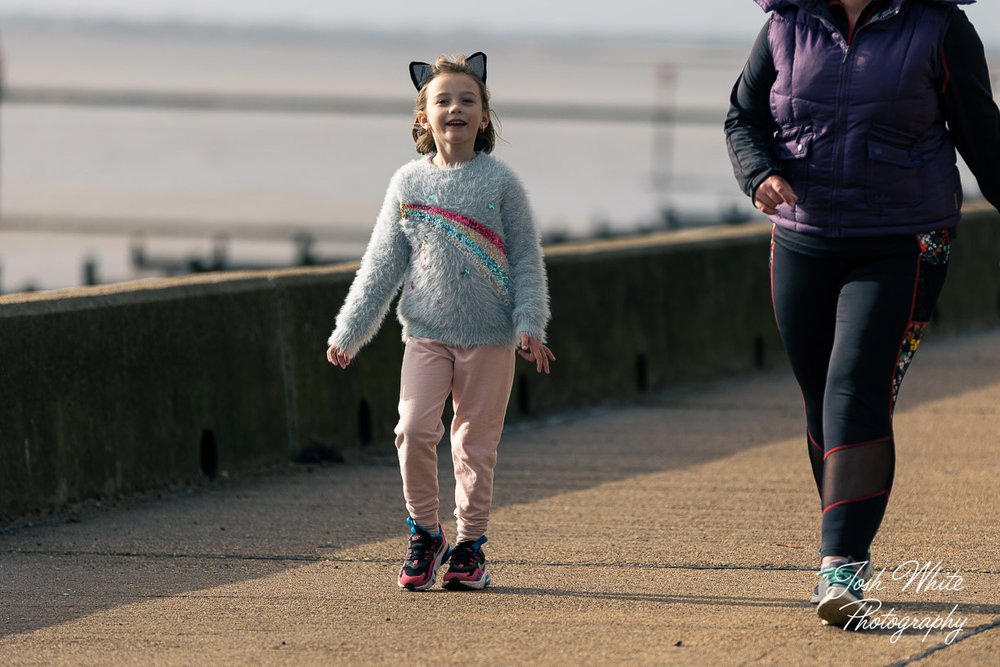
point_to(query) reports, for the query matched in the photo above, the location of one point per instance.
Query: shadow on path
(258, 526)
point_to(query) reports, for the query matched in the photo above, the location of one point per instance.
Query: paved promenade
(679, 531)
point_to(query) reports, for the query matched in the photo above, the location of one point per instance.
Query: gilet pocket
(895, 165)
(792, 147)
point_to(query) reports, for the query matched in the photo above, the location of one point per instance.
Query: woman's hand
(337, 356)
(534, 350)
(773, 192)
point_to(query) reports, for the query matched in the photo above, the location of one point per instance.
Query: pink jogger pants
(479, 379)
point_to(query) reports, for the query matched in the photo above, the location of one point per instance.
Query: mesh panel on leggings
(816, 461)
(855, 472)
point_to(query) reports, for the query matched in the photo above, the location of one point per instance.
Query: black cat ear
(419, 73)
(477, 63)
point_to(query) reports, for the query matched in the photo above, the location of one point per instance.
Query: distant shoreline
(361, 35)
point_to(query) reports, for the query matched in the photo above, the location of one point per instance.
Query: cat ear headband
(421, 72)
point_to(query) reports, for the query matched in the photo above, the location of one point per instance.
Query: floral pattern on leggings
(935, 252)
(935, 247)
(911, 341)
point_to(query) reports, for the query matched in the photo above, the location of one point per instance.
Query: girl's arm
(528, 282)
(383, 267)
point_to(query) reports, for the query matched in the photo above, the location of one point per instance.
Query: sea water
(85, 184)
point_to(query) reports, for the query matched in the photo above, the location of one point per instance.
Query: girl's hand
(533, 349)
(773, 192)
(336, 356)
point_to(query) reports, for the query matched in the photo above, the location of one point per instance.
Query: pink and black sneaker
(467, 568)
(424, 556)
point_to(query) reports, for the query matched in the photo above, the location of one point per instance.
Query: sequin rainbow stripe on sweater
(479, 243)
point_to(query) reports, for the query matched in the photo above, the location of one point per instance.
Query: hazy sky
(691, 18)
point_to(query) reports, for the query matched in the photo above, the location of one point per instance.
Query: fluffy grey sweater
(463, 244)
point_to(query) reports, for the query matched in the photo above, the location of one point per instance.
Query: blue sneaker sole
(841, 610)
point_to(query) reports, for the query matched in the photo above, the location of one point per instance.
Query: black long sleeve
(750, 127)
(972, 116)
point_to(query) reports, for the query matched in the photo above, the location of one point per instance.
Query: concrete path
(679, 531)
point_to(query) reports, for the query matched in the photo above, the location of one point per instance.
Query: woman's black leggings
(850, 322)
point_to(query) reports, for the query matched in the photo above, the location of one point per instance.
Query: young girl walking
(456, 232)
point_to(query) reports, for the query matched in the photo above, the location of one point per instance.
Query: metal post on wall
(90, 271)
(663, 140)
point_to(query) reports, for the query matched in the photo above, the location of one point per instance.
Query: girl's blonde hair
(423, 138)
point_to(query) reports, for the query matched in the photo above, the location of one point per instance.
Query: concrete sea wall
(115, 390)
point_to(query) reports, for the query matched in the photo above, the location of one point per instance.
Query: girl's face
(454, 113)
